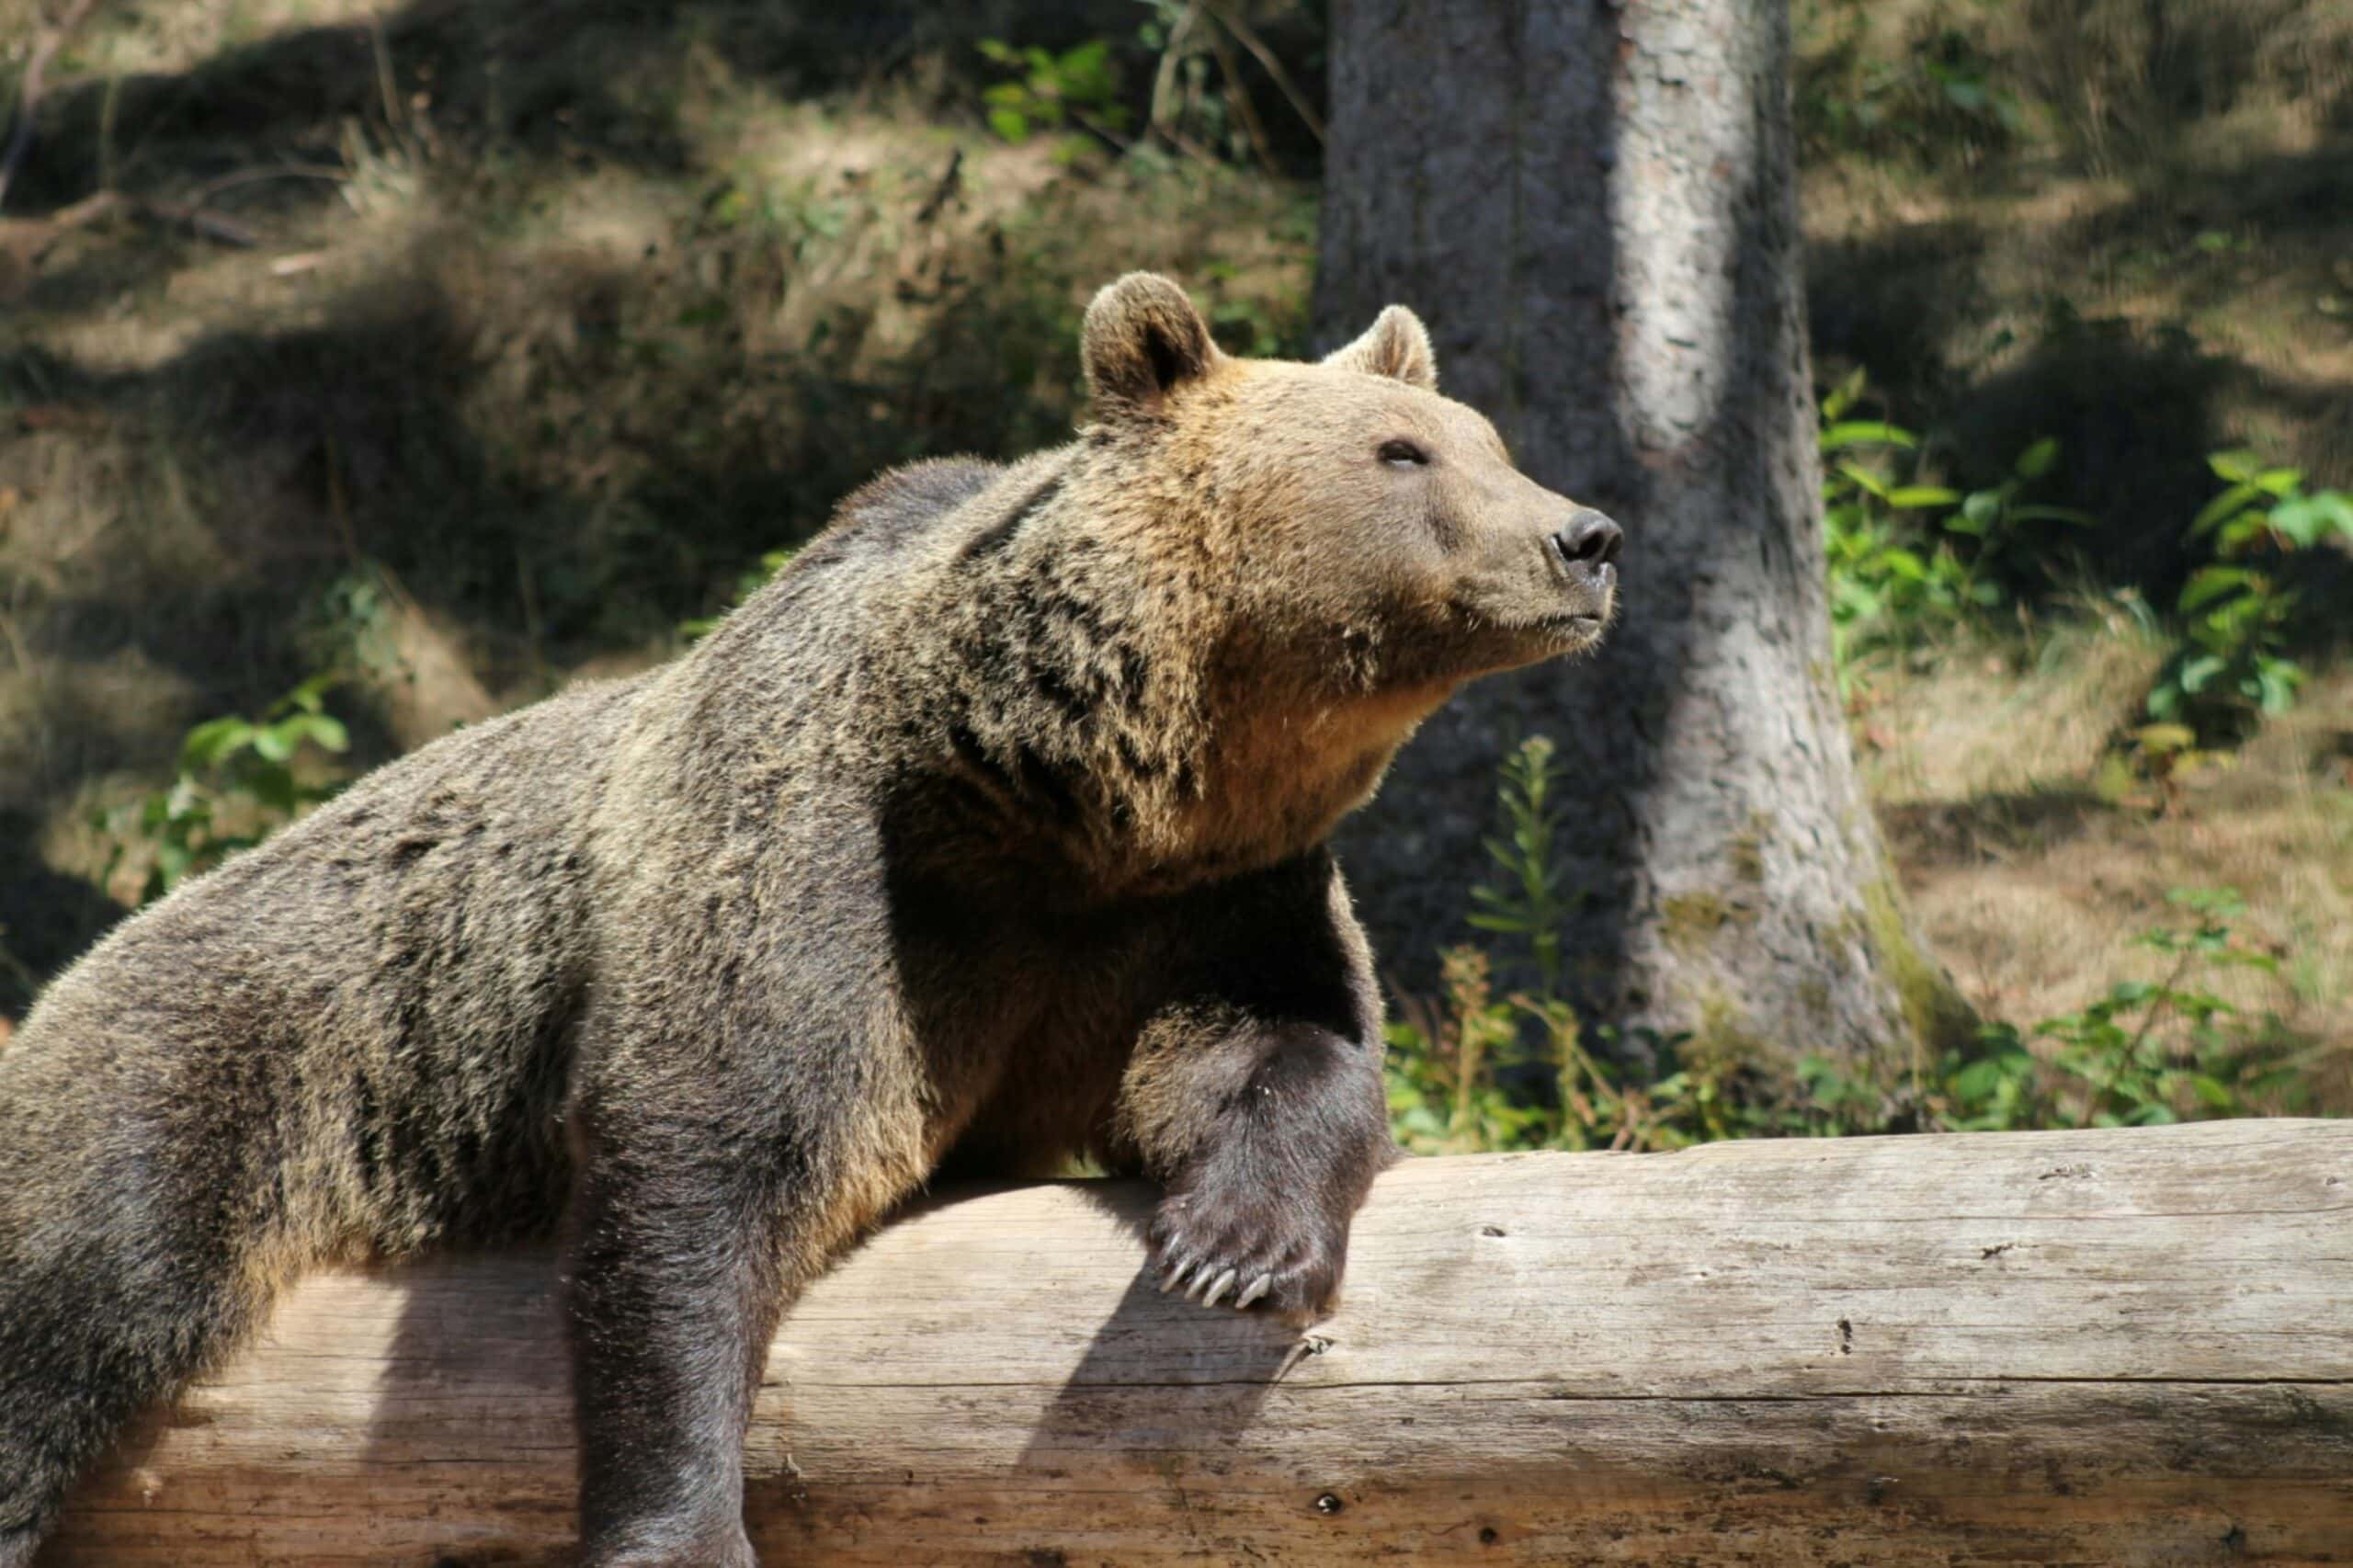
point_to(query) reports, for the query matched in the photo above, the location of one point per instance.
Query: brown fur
(989, 835)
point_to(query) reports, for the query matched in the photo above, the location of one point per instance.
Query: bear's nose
(1589, 541)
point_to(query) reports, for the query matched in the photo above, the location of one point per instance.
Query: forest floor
(469, 355)
(2036, 864)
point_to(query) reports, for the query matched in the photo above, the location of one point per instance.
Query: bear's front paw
(1219, 1243)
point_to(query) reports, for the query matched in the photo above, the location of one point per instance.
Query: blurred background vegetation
(365, 370)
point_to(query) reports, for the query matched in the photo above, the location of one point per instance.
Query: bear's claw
(1221, 1246)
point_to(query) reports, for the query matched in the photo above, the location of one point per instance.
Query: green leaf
(212, 741)
(274, 743)
(2246, 528)
(1982, 1080)
(2072, 516)
(2237, 465)
(2336, 509)
(1911, 497)
(2196, 673)
(1842, 396)
(1085, 72)
(1866, 433)
(2213, 1091)
(325, 732)
(1904, 565)
(2279, 482)
(2221, 508)
(2307, 519)
(1865, 478)
(2275, 683)
(1011, 124)
(2038, 459)
(2212, 583)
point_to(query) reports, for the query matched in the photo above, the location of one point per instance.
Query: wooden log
(2096, 1347)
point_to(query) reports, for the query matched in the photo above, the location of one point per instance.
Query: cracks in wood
(1931, 1390)
(1309, 1344)
(2158, 1381)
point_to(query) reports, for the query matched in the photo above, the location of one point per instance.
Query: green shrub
(1908, 560)
(1200, 105)
(240, 780)
(2147, 1053)
(1474, 1070)
(1077, 87)
(1946, 98)
(2237, 614)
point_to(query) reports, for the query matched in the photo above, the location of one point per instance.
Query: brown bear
(990, 834)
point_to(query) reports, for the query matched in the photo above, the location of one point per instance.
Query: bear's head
(1351, 545)
(1369, 531)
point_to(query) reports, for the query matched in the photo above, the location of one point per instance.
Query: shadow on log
(2119, 1347)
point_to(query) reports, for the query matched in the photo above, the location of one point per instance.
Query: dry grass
(2033, 887)
(1996, 716)
(2151, 263)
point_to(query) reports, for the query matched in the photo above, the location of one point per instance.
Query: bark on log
(2122, 1346)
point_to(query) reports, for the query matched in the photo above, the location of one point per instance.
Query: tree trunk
(2113, 1347)
(1593, 203)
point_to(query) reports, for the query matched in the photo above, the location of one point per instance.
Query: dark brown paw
(1246, 1250)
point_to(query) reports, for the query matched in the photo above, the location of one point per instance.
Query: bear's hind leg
(129, 1260)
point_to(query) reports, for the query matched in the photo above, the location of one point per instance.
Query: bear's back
(893, 508)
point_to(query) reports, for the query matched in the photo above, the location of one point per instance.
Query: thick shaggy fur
(988, 834)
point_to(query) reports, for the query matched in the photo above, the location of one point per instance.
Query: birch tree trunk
(1593, 204)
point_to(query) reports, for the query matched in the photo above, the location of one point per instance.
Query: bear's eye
(1402, 454)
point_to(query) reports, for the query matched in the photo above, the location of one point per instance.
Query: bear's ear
(1397, 346)
(1142, 338)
